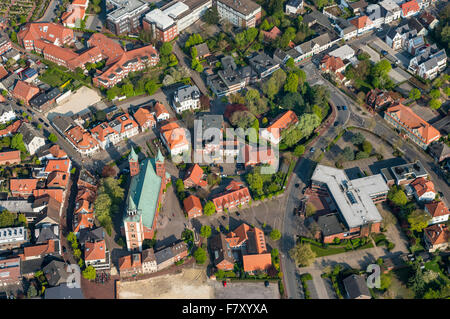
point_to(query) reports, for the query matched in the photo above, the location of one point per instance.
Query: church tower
(134, 163)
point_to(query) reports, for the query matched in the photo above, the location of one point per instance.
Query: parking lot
(76, 103)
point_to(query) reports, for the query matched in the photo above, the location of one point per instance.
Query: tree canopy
(302, 254)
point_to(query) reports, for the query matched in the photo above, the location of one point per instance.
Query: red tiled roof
(24, 91)
(143, 116)
(23, 185)
(437, 234)
(57, 151)
(81, 138)
(258, 155)
(256, 262)
(56, 194)
(85, 194)
(174, 135)
(361, 22)
(45, 31)
(195, 174)
(192, 202)
(39, 250)
(282, 122)
(411, 6)
(61, 165)
(11, 129)
(73, 14)
(272, 34)
(108, 47)
(95, 251)
(102, 131)
(437, 209)
(332, 63)
(422, 186)
(3, 72)
(412, 121)
(160, 109)
(58, 179)
(128, 262)
(13, 156)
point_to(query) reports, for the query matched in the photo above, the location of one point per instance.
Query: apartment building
(51, 33)
(186, 98)
(429, 62)
(235, 195)
(125, 16)
(5, 44)
(411, 125)
(241, 13)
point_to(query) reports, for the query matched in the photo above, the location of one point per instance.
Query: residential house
(436, 237)
(202, 51)
(273, 132)
(334, 66)
(410, 124)
(149, 264)
(145, 119)
(83, 215)
(163, 26)
(345, 29)
(263, 64)
(362, 24)
(376, 14)
(410, 8)
(192, 206)
(164, 258)
(398, 37)
(75, 13)
(90, 235)
(294, 7)
(161, 113)
(44, 100)
(423, 189)
(49, 152)
(415, 45)
(234, 196)
(272, 34)
(179, 250)
(378, 99)
(429, 62)
(22, 187)
(10, 158)
(429, 20)
(40, 250)
(222, 255)
(32, 139)
(356, 287)
(7, 113)
(82, 140)
(96, 255)
(63, 291)
(194, 177)
(10, 272)
(130, 265)
(438, 211)
(439, 151)
(243, 13)
(186, 98)
(174, 138)
(415, 24)
(57, 179)
(56, 273)
(256, 155)
(393, 10)
(358, 7)
(315, 46)
(24, 92)
(5, 44)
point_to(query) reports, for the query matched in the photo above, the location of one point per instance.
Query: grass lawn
(399, 289)
(321, 252)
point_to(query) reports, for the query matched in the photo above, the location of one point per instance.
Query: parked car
(336, 123)
(41, 120)
(297, 185)
(312, 149)
(266, 283)
(338, 107)
(46, 125)
(344, 107)
(384, 52)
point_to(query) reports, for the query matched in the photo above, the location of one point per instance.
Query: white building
(149, 261)
(186, 98)
(439, 213)
(344, 52)
(6, 113)
(294, 7)
(241, 13)
(31, 138)
(393, 11)
(12, 235)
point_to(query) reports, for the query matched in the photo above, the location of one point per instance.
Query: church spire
(133, 161)
(159, 156)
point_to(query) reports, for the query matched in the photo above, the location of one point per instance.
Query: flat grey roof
(352, 197)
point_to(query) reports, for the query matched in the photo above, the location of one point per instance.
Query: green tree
(435, 104)
(209, 208)
(71, 237)
(13, 36)
(367, 147)
(200, 256)
(113, 92)
(151, 87)
(275, 234)
(77, 253)
(435, 93)
(211, 16)
(21, 220)
(291, 84)
(299, 150)
(205, 231)
(385, 281)
(358, 138)
(310, 209)
(166, 49)
(397, 196)
(7, 219)
(348, 154)
(418, 220)
(32, 292)
(89, 273)
(52, 138)
(127, 90)
(302, 254)
(255, 183)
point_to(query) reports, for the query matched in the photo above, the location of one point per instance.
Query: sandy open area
(77, 102)
(192, 283)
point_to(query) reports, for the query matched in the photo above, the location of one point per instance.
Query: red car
(224, 283)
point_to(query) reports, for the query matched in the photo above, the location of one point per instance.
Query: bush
(275, 234)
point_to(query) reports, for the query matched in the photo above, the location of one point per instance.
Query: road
(49, 14)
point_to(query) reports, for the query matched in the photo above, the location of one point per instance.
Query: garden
(337, 247)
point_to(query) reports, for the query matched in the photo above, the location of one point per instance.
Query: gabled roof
(143, 115)
(332, 63)
(174, 135)
(23, 185)
(130, 261)
(61, 165)
(160, 109)
(192, 202)
(95, 250)
(24, 91)
(282, 122)
(410, 6)
(437, 209)
(414, 122)
(437, 234)
(195, 175)
(256, 262)
(422, 186)
(58, 179)
(12, 156)
(39, 250)
(361, 22)
(356, 287)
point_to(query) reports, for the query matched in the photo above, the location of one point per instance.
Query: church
(143, 204)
